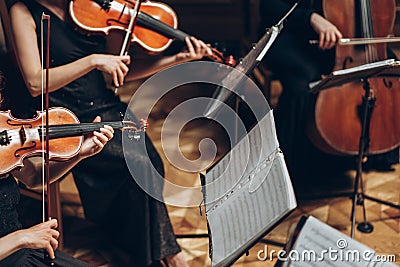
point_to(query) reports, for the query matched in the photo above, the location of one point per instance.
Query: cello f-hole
(346, 61)
(387, 83)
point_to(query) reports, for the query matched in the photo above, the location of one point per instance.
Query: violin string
(159, 26)
(68, 129)
(63, 130)
(57, 130)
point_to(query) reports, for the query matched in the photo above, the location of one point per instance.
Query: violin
(20, 139)
(155, 28)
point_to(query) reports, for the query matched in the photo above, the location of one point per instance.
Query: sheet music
(316, 236)
(239, 162)
(247, 193)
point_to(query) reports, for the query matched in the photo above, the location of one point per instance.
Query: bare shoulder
(18, 8)
(20, 14)
(20, 11)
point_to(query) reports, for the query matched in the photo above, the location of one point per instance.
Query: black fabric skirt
(138, 223)
(35, 258)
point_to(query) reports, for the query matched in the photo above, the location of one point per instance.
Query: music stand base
(365, 227)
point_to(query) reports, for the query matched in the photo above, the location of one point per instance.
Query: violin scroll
(134, 133)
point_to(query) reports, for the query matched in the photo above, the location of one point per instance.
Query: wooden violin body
(155, 29)
(20, 139)
(103, 16)
(337, 124)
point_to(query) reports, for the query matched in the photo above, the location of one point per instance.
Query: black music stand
(364, 72)
(246, 66)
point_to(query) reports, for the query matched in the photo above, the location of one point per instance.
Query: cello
(336, 122)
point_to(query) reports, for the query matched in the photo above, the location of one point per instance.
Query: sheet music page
(247, 192)
(239, 161)
(319, 244)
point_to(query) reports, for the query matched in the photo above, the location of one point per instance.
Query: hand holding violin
(95, 142)
(328, 33)
(196, 50)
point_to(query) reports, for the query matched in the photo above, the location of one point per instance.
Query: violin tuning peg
(230, 61)
(143, 125)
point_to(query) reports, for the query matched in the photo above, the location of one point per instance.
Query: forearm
(59, 76)
(10, 244)
(28, 55)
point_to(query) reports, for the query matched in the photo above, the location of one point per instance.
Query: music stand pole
(358, 193)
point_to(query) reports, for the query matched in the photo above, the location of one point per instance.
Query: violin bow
(45, 105)
(129, 32)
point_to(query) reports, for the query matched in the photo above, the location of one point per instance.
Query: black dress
(110, 196)
(9, 199)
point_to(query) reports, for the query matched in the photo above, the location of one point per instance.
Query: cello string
(364, 29)
(372, 33)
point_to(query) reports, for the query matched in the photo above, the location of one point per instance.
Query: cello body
(337, 120)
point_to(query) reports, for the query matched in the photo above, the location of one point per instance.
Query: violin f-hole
(12, 123)
(16, 153)
(111, 22)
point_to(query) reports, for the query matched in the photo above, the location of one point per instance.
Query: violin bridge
(22, 135)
